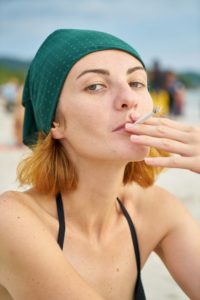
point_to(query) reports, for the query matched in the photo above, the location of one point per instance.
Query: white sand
(184, 184)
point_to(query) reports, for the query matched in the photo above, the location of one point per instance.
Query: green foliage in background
(13, 68)
(190, 79)
(7, 74)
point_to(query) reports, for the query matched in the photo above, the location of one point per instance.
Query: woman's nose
(125, 99)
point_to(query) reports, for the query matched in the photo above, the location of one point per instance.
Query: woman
(88, 174)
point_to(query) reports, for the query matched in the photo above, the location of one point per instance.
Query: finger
(163, 144)
(158, 131)
(170, 123)
(189, 163)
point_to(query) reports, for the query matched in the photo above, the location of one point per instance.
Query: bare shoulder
(156, 214)
(28, 205)
(32, 263)
(12, 207)
(179, 242)
(17, 208)
(15, 199)
(18, 220)
(166, 206)
(152, 199)
(157, 201)
(22, 236)
(22, 219)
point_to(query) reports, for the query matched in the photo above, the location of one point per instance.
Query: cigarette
(148, 115)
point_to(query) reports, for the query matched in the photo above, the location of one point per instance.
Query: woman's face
(103, 91)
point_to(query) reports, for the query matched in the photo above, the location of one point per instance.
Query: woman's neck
(92, 207)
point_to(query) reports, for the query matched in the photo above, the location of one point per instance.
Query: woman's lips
(119, 128)
(122, 127)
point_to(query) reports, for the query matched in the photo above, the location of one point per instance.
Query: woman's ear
(57, 131)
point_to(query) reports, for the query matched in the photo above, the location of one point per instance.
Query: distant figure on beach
(158, 91)
(18, 118)
(9, 92)
(92, 214)
(176, 93)
(156, 77)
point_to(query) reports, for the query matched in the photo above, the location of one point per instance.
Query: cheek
(82, 121)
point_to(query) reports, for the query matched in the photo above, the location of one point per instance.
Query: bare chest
(110, 270)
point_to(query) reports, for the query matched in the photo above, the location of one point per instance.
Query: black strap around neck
(133, 234)
(61, 219)
(139, 291)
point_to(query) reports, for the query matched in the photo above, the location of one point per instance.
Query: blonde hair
(49, 169)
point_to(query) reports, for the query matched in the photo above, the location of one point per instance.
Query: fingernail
(128, 125)
(149, 160)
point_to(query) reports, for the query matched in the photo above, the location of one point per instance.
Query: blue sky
(168, 30)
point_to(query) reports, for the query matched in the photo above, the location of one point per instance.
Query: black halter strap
(139, 291)
(61, 218)
(133, 234)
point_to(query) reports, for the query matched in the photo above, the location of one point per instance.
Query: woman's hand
(180, 139)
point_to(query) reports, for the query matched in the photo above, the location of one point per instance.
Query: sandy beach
(184, 184)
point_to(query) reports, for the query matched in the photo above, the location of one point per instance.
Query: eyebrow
(106, 72)
(131, 70)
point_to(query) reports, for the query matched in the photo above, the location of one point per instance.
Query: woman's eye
(136, 84)
(94, 87)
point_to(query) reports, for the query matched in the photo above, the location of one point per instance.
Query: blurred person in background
(9, 92)
(176, 93)
(157, 88)
(92, 170)
(156, 77)
(18, 118)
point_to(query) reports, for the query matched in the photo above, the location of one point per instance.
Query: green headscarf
(49, 69)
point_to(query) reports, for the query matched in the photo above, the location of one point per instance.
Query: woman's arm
(173, 137)
(32, 264)
(179, 248)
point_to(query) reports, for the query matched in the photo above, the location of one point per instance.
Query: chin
(138, 153)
